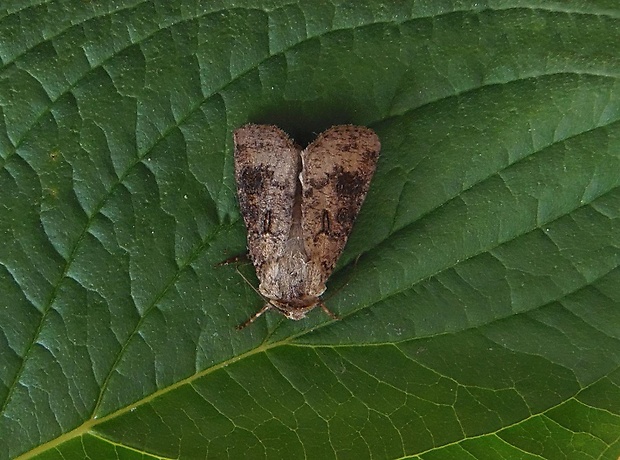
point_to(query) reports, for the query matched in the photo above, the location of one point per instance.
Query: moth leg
(235, 259)
(266, 307)
(253, 318)
(350, 269)
(330, 313)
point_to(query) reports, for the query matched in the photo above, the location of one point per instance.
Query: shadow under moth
(299, 207)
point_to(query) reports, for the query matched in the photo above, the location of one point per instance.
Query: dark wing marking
(336, 172)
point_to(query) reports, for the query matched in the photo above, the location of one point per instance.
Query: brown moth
(299, 207)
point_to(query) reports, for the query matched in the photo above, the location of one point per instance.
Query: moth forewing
(336, 174)
(299, 207)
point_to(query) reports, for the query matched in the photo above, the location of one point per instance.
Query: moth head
(295, 310)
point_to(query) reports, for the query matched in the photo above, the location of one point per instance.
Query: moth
(299, 206)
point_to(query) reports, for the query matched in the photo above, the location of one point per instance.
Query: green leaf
(482, 318)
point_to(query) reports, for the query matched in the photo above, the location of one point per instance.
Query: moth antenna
(249, 284)
(266, 307)
(253, 318)
(330, 313)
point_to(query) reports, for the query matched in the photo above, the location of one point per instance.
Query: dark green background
(482, 320)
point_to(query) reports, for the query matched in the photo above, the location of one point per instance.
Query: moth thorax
(291, 277)
(296, 291)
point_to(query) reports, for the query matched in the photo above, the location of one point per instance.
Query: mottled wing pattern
(267, 165)
(336, 172)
